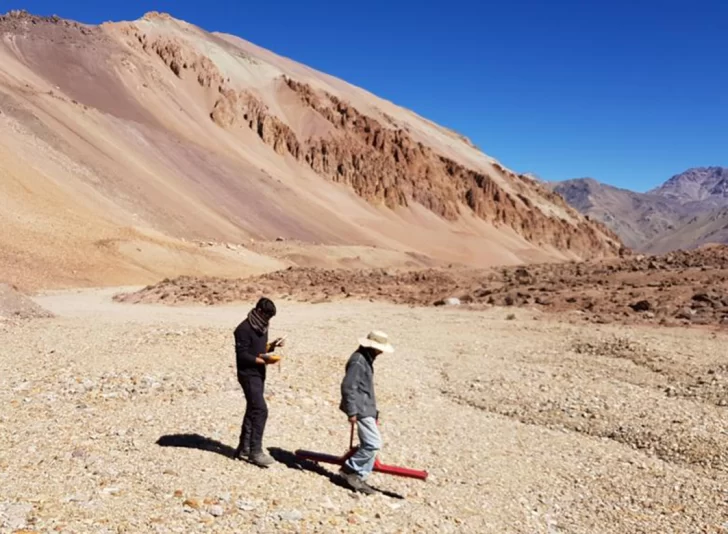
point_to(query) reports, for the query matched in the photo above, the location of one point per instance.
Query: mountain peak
(159, 16)
(697, 184)
(689, 209)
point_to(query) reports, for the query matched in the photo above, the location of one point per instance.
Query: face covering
(258, 321)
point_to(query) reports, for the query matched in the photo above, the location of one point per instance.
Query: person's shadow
(287, 458)
(290, 460)
(195, 441)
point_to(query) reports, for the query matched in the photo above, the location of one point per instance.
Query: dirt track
(526, 426)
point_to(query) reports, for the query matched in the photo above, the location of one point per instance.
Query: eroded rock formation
(384, 164)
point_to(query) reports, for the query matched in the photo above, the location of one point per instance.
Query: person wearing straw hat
(359, 403)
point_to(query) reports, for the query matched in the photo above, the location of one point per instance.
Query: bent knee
(372, 445)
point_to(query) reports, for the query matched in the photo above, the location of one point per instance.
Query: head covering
(377, 340)
(266, 307)
(260, 316)
(258, 320)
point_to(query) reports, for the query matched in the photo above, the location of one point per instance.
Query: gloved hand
(278, 342)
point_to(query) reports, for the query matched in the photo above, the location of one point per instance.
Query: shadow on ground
(289, 459)
(195, 441)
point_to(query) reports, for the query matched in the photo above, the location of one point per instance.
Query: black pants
(256, 413)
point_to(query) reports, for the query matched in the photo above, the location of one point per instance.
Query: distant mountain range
(688, 210)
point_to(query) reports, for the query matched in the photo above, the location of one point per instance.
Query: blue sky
(628, 92)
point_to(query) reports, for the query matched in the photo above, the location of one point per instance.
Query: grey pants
(370, 442)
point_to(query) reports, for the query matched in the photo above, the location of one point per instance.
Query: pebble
(192, 503)
(216, 510)
(293, 515)
(246, 506)
(14, 515)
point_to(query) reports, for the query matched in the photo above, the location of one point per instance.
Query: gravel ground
(525, 426)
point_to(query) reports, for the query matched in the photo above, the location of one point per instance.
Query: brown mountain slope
(637, 218)
(706, 228)
(121, 143)
(685, 212)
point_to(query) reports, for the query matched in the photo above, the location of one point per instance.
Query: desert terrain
(156, 179)
(524, 425)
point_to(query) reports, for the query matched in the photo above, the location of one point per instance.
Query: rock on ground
(15, 305)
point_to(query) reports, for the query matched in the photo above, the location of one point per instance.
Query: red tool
(380, 467)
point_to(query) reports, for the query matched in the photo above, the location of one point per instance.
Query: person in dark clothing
(359, 403)
(252, 356)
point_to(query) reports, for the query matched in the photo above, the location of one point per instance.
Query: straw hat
(377, 340)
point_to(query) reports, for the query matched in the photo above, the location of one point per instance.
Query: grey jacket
(357, 388)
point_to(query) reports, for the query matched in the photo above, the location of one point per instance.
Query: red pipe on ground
(378, 466)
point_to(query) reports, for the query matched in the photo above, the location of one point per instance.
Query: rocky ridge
(704, 185)
(252, 145)
(384, 164)
(677, 289)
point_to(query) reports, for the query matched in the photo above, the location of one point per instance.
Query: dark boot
(242, 452)
(355, 482)
(261, 459)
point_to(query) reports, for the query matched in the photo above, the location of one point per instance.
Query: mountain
(123, 143)
(637, 218)
(705, 228)
(685, 212)
(702, 186)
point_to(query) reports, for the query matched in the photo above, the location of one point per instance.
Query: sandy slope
(525, 426)
(106, 136)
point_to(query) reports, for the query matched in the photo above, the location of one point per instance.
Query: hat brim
(386, 348)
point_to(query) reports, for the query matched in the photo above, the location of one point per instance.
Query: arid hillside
(124, 145)
(638, 218)
(700, 229)
(687, 211)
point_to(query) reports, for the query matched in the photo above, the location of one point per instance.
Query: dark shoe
(241, 453)
(261, 459)
(356, 483)
(366, 489)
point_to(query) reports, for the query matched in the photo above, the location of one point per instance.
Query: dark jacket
(357, 388)
(249, 344)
